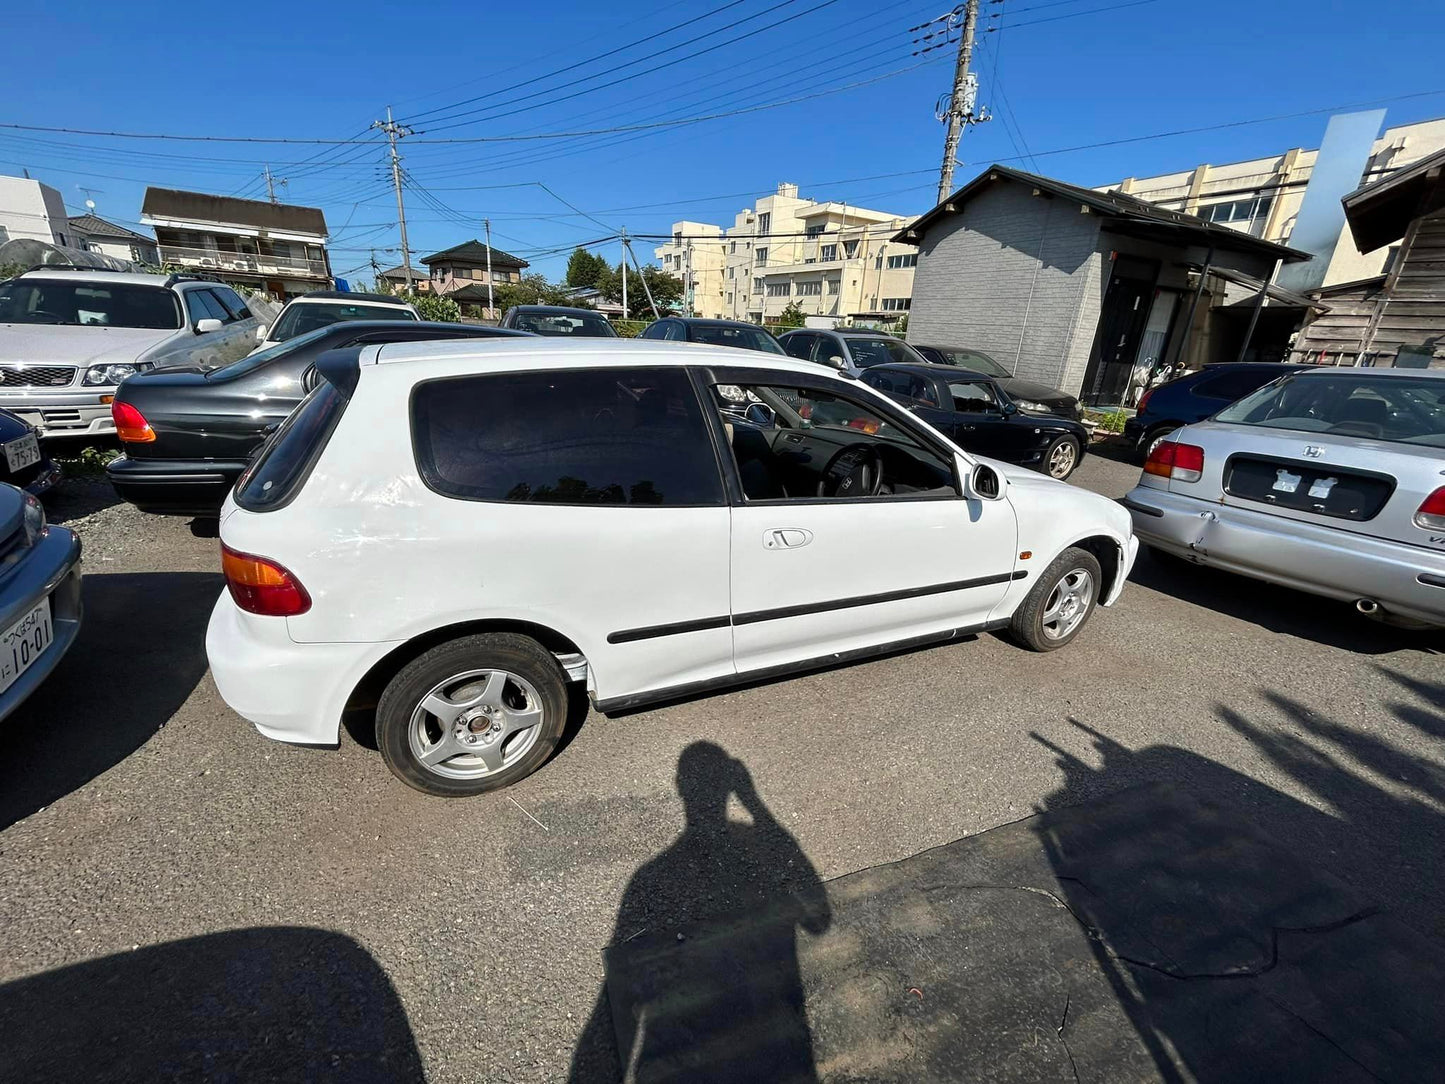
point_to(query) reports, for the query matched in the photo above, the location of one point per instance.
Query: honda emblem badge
(1313, 451)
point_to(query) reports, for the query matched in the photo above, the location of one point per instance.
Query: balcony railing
(257, 263)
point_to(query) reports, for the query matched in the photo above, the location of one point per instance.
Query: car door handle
(786, 538)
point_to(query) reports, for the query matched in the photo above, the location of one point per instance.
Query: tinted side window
(232, 301)
(202, 306)
(602, 436)
(799, 346)
(654, 330)
(972, 396)
(1228, 386)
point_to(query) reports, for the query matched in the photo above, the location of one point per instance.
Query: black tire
(1027, 624)
(520, 656)
(1153, 437)
(1047, 466)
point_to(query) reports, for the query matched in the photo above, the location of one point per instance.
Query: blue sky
(1055, 78)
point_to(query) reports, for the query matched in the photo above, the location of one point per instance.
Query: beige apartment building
(836, 260)
(1261, 197)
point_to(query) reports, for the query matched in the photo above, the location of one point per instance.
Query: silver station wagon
(1331, 481)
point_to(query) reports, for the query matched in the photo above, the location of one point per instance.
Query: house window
(832, 285)
(850, 249)
(813, 231)
(761, 257)
(1249, 215)
(828, 252)
(757, 286)
(765, 222)
(779, 289)
(810, 289)
(910, 260)
(732, 272)
(732, 248)
(897, 304)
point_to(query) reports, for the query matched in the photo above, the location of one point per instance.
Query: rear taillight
(1431, 513)
(1181, 462)
(1143, 402)
(261, 586)
(131, 424)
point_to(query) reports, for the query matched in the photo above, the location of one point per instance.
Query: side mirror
(1010, 409)
(759, 414)
(837, 362)
(261, 330)
(981, 482)
(208, 325)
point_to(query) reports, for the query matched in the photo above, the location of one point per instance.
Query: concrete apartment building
(32, 211)
(1262, 197)
(276, 247)
(838, 261)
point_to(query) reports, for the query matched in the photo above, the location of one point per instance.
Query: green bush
(629, 329)
(88, 462)
(432, 307)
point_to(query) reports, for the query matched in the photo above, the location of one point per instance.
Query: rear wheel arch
(367, 691)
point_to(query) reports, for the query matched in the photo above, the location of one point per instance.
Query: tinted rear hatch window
(285, 461)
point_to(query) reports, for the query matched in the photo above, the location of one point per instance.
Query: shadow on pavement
(743, 890)
(1234, 955)
(274, 1004)
(140, 652)
(1280, 609)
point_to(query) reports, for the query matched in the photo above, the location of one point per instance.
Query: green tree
(434, 307)
(584, 269)
(534, 289)
(792, 316)
(666, 289)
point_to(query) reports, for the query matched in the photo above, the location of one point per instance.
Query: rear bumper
(174, 487)
(52, 568)
(290, 692)
(1405, 580)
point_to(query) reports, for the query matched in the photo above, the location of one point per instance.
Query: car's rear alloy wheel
(1055, 610)
(1061, 458)
(472, 715)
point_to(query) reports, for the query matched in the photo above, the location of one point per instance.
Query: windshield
(301, 317)
(1405, 409)
(881, 351)
(585, 324)
(970, 359)
(252, 362)
(87, 304)
(744, 338)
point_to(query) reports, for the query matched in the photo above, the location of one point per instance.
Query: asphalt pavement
(316, 917)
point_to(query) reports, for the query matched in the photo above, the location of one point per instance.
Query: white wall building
(1262, 197)
(95, 234)
(836, 260)
(32, 210)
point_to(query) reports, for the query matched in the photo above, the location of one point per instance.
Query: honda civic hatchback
(450, 533)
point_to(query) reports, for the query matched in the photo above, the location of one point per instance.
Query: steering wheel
(854, 471)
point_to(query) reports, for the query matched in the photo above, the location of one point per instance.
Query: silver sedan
(1331, 481)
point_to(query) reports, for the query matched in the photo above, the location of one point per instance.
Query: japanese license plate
(21, 453)
(24, 642)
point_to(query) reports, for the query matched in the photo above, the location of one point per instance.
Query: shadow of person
(703, 981)
(272, 1003)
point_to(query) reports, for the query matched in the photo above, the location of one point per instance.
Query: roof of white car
(135, 278)
(557, 352)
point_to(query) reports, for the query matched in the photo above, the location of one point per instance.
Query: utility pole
(271, 184)
(687, 280)
(646, 288)
(491, 301)
(625, 246)
(962, 100)
(375, 272)
(394, 132)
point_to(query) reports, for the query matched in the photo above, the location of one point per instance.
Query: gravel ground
(463, 939)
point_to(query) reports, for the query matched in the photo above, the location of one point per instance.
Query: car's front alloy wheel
(1061, 458)
(1061, 601)
(472, 715)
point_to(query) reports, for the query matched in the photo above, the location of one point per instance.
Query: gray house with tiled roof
(462, 265)
(95, 234)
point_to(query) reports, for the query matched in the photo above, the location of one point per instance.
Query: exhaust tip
(1367, 606)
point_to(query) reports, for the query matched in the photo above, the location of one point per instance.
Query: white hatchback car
(322, 308)
(453, 531)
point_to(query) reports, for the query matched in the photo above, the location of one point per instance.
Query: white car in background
(70, 335)
(461, 528)
(324, 307)
(1331, 481)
